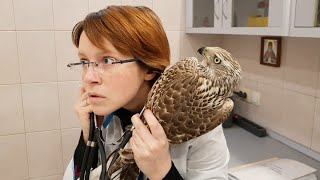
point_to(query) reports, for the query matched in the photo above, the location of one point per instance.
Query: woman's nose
(91, 75)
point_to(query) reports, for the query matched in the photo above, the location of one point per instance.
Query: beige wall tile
(249, 68)
(37, 57)
(301, 66)
(44, 153)
(298, 115)
(183, 16)
(318, 90)
(41, 106)
(270, 111)
(174, 42)
(9, 58)
(170, 13)
(6, 15)
(96, 5)
(70, 138)
(68, 13)
(68, 96)
(315, 145)
(11, 111)
(247, 83)
(55, 177)
(190, 43)
(66, 53)
(247, 47)
(271, 75)
(147, 3)
(33, 14)
(13, 155)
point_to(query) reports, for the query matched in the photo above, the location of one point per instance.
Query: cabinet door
(203, 16)
(256, 17)
(305, 20)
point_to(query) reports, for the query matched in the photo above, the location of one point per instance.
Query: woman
(117, 92)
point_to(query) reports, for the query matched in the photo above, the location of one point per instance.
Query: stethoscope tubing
(94, 142)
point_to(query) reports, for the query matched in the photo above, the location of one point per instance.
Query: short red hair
(135, 31)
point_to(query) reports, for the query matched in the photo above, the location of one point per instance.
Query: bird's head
(220, 63)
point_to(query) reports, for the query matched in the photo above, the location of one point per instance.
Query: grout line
(52, 11)
(88, 6)
(36, 131)
(14, 16)
(47, 82)
(21, 94)
(41, 131)
(38, 30)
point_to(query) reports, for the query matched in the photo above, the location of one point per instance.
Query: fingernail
(134, 117)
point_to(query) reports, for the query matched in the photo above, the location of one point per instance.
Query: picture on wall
(270, 51)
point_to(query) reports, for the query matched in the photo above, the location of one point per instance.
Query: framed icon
(270, 51)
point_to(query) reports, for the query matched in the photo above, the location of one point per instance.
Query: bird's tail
(125, 166)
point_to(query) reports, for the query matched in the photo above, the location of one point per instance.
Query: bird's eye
(217, 60)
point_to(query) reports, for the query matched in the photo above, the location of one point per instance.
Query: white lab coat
(204, 157)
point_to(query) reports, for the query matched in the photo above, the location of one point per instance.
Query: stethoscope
(95, 141)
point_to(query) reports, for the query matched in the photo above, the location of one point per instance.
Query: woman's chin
(101, 111)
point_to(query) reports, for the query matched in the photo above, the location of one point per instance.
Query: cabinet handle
(214, 9)
(223, 13)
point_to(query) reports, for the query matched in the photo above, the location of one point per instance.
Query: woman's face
(118, 86)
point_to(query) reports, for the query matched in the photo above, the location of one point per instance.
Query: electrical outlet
(256, 98)
(253, 97)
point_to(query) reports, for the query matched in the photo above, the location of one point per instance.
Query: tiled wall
(290, 98)
(39, 129)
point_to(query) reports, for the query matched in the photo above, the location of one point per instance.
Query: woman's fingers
(154, 125)
(141, 129)
(83, 94)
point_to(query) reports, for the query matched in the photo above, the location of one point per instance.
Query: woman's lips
(93, 98)
(96, 99)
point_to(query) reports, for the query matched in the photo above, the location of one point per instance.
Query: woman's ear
(149, 75)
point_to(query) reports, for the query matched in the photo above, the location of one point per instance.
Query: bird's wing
(183, 112)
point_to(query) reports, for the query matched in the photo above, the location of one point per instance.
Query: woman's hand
(83, 110)
(151, 150)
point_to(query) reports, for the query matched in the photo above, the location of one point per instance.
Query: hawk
(189, 99)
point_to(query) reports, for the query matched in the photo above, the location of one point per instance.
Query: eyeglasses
(99, 66)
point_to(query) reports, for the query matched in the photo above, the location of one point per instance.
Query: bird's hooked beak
(200, 50)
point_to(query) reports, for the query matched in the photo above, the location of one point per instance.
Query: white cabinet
(305, 18)
(251, 17)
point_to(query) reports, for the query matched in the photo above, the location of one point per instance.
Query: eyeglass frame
(87, 62)
(82, 62)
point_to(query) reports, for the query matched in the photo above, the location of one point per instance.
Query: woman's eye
(217, 60)
(108, 60)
